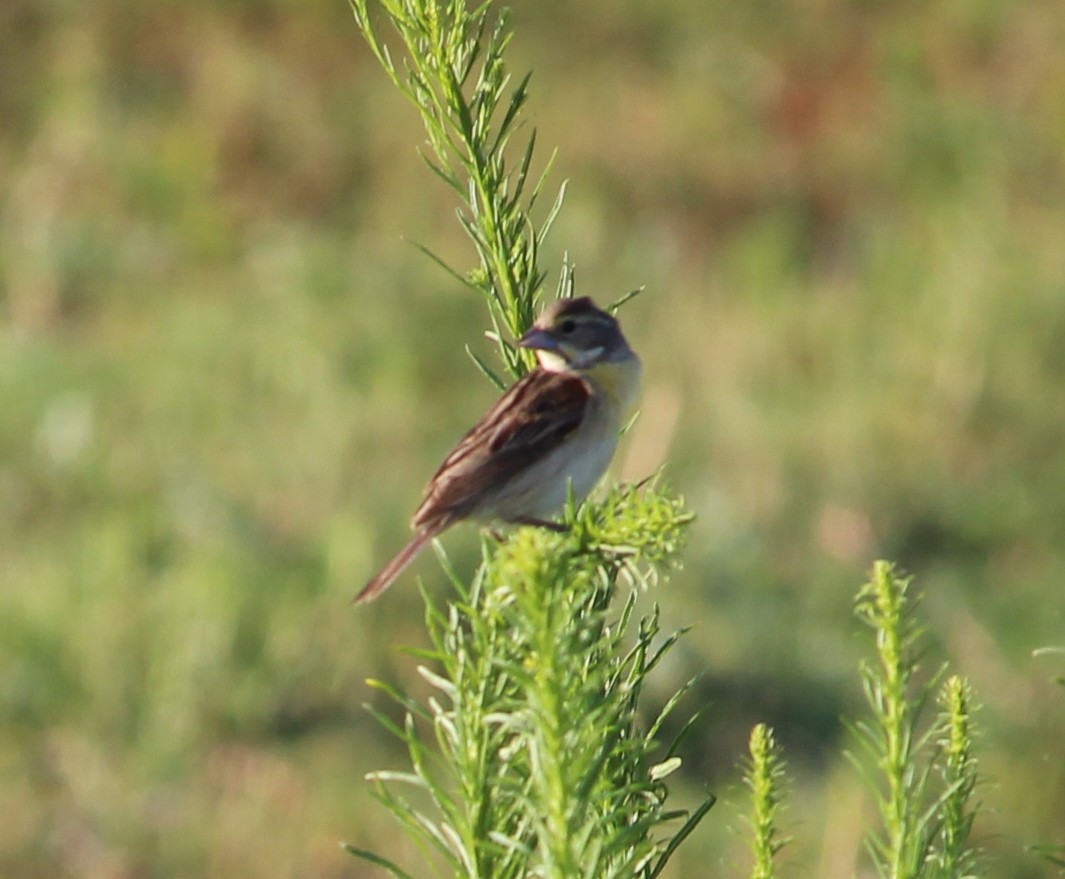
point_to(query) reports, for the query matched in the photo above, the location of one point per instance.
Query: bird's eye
(567, 326)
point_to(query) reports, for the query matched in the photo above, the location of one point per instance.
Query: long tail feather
(397, 566)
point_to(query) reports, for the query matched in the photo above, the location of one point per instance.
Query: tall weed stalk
(922, 771)
(532, 758)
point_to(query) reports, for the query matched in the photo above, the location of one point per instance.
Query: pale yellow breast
(578, 463)
(618, 383)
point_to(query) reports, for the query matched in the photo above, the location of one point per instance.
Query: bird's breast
(617, 383)
(579, 462)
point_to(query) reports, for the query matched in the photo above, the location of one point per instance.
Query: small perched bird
(552, 432)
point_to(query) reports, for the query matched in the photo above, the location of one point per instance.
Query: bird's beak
(538, 340)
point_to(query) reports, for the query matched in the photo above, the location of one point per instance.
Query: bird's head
(575, 335)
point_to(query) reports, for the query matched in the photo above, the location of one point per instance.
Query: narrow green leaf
(377, 860)
(486, 370)
(685, 831)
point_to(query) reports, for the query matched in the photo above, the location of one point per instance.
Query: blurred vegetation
(224, 376)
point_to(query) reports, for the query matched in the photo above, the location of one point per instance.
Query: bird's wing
(530, 420)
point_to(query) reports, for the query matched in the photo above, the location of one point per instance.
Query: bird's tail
(396, 567)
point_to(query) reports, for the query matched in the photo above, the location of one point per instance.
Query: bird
(552, 434)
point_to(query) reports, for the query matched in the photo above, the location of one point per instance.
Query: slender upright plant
(765, 775)
(1054, 854)
(923, 775)
(452, 69)
(532, 758)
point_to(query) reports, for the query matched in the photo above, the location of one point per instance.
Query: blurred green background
(224, 378)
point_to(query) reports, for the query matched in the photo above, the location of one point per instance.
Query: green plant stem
(764, 776)
(454, 73)
(540, 767)
(925, 832)
(956, 857)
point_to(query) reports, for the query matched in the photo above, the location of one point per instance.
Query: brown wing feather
(530, 420)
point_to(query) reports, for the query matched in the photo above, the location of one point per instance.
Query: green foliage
(532, 755)
(958, 769)
(923, 779)
(537, 764)
(765, 775)
(1054, 854)
(925, 832)
(453, 72)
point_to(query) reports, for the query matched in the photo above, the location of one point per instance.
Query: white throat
(552, 362)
